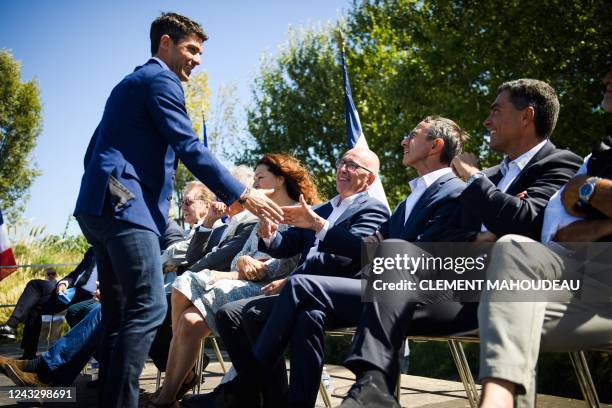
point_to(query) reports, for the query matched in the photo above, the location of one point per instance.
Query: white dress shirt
(512, 169)
(555, 216)
(91, 285)
(419, 185)
(338, 210)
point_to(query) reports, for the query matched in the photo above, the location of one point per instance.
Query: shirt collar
(428, 179)
(523, 159)
(346, 201)
(162, 63)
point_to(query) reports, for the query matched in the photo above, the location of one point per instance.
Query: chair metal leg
(325, 395)
(585, 380)
(461, 369)
(468, 372)
(158, 380)
(218, 353)
(199, 367)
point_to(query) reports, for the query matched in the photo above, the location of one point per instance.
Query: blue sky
(78, 50)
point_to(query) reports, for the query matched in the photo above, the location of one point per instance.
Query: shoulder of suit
(153, 73)
(371, 203)
(489, 171)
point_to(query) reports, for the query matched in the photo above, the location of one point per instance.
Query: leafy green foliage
(409, 59)
(20, 126)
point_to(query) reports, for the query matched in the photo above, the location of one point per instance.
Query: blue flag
(355, 136)
(204, 136)
(353, 125)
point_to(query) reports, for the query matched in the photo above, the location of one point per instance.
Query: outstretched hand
(303, 216)
(259, 203)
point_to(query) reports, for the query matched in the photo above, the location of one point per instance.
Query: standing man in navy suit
(309, 305)
(126, 190)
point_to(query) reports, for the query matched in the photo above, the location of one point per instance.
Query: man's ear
(371, 179)
(164, 42)
(438, 146)
(528, 115)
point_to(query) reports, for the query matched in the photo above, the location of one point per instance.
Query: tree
(408, 59)
(197, 102)
(298, 105)
(20, 126)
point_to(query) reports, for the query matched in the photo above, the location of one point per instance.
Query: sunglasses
(188, 201)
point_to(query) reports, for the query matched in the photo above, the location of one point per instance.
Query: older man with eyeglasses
(352, 209)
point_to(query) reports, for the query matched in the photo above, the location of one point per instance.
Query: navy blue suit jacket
(361, 218)
(144, 124)
(505, 212)
(426, 223)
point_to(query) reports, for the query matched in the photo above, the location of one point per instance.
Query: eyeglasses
(351, 166)
(188, 201)
(410, 135)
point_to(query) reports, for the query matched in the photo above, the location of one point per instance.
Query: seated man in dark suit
(45, 297)
(509, 198)
(352, 209)
(514, 330)
(63, 362)
(197, 199)
(311, 304)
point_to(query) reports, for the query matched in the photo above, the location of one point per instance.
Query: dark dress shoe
(364, 393)
(7, 332)
(227, 395)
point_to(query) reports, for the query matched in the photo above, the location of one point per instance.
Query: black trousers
(385, 324)
(239, 324)
(39, 298)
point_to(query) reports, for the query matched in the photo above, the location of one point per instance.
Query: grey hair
(451, 133)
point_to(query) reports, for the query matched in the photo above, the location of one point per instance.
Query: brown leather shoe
(6, 360)
(14, 370)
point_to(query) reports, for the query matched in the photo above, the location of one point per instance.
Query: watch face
(586, 190)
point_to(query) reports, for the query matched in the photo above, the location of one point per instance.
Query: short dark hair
(540, 96)
(454, 137)
(176, 26)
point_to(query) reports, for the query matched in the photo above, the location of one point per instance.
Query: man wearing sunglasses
(42, 296)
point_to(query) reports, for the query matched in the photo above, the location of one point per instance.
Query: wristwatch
(475, 176)
(245, 196)
(587, 190)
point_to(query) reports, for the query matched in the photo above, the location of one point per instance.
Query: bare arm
(600, 200)
(584, 231)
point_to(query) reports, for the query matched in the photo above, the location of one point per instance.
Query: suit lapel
(353, 208)
(215, 236)
(546, 150)
(324, 210)
(397, 224)
(424, 201)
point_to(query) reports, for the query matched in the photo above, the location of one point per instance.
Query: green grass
(33, 245)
